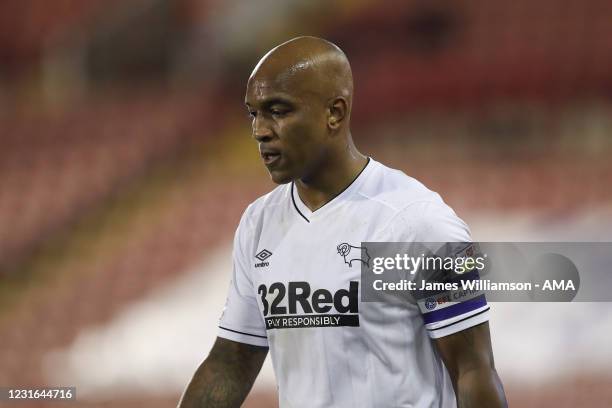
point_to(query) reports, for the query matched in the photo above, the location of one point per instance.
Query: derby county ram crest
(353, 253)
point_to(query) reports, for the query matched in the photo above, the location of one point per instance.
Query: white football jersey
(293, 291)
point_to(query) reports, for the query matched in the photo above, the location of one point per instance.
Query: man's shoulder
(396, 190)
(418, 212)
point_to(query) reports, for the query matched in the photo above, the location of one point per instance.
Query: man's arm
(469, 359)
(225, 377)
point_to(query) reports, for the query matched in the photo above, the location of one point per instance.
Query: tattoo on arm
(225, 378)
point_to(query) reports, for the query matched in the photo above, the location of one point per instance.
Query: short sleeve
(446, 312)
(241, 319)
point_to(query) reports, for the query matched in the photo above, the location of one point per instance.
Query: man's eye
(252, 114)
(276, 112)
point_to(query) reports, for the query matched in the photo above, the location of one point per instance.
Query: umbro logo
(262, 256)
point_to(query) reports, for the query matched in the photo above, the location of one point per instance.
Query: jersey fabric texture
(292, 290)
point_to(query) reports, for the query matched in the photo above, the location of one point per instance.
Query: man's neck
(332, 180)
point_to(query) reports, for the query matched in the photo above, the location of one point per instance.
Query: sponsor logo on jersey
(319, 308)
(262, 256)
(352, 253)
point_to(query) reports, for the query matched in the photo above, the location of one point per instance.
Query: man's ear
(338, 110)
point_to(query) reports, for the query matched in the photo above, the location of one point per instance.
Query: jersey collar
(341, 197)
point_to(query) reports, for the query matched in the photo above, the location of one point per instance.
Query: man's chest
(309, 275)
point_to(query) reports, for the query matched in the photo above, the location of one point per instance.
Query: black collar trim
(343, 190)
(295, 205)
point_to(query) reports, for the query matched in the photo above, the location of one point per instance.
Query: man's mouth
(270, 157)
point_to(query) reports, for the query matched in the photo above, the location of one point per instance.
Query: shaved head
(299, 97)
(309, 65)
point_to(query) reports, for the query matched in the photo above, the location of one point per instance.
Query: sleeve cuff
(243, 337)
(458, 324)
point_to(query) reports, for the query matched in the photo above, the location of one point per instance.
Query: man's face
(289, 123)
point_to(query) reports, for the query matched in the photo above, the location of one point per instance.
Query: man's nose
(261, 130)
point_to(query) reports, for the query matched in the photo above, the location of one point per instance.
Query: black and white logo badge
(262, 256)
(288, 305)
(352, 253)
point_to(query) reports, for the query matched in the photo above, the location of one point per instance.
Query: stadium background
(126, 162)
